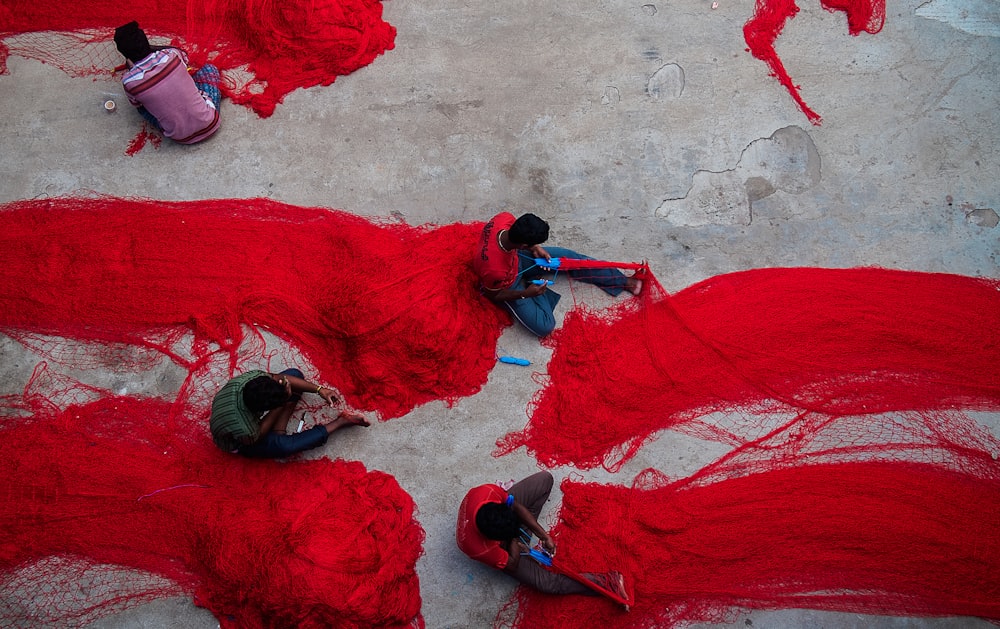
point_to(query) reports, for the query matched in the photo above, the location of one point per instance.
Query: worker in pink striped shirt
(184, 106)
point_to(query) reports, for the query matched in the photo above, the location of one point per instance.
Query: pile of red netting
(858, 479)
(872, 537)
(761, 31)
(775, 348)
(387, 313)
(120, 482)
(264, 49)
(98, 484)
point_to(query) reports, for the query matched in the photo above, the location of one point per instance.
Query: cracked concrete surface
(640, 130)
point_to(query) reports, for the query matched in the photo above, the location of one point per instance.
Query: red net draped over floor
(259, 543)
(387, 313)
(283, 45)
(895, 538)
(811, 342)
(761, 31)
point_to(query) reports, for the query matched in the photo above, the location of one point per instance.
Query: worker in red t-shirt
(490, 521)
(504, 260)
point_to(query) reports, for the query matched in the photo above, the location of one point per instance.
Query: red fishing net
(122, 482)
(775, 348)
(388, 313)
(264, 49)
(872, 537)
(762, 30)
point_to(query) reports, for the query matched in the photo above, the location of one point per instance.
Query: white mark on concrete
(649, 9)
(667, 82)
(983, 217)
(611, 96)
(978, 17)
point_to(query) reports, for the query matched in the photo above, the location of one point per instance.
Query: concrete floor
(641, 131)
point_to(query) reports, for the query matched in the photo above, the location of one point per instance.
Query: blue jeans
(275, 445)
(537, 313)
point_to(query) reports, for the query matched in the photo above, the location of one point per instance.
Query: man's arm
(514, 549)
(510, 294)
(298, 385)
(529, 521)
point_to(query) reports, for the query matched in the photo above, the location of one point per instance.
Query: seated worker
(251, 412)
(489, 530)
(504, 260)
(184, 107)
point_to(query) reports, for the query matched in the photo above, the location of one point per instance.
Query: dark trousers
(275, 445)
(533, 492)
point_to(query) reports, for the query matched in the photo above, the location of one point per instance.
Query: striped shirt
(231, 419)
(160, 82)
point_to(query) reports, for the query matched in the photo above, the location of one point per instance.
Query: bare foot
(344, 419)
(633, 285)
(354, 419)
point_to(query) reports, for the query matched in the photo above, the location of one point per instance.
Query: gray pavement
(640, 130)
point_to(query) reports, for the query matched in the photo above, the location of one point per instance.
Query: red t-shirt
(470, 540)
(496, 268)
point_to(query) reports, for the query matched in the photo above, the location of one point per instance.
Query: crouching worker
(490, 523)
(250, 415)
(157, 81)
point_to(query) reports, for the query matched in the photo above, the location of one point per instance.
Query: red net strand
(768, 20)
(776, 342)
(264, 49)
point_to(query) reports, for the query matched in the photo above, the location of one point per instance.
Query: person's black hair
(263, 394)
(529, 230)
(497, 521)
(131, 42)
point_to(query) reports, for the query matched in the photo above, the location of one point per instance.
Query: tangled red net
(762, 30)
(872, 537)
(858, 480)
(194, 281)
(776, 348)
(129, 483)
(265, 50)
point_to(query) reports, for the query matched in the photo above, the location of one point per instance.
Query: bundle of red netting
(387, 313)
(117, 484)
(773, 348)
(872, 537)
(264, 49)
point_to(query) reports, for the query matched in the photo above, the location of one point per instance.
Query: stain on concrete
(787, 161)
(452, 110)
(977, 17)
(983, 217)
(541, 182)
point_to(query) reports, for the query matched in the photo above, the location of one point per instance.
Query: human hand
(328, 395)
(534, 289)
(548, 544)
